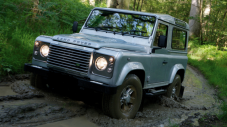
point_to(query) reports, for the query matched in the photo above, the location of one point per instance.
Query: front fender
(174, 71)
(128, 68)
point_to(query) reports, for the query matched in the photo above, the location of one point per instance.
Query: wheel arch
(177, 69)
(140, 74)
(131, 68)
(181, 72)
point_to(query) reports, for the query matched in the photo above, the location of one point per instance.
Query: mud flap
(181, 91)
(142, 102)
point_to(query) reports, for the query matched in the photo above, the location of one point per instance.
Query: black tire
(176, 84)
(37, 81)
(126, 102)
(32, 79)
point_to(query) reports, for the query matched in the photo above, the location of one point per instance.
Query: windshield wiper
(114, 32)
(137, 31)
(105, 27)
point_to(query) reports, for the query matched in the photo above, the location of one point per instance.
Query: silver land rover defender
(125, 55)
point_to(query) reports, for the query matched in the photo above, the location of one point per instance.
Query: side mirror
(162, 41)
(74, 28)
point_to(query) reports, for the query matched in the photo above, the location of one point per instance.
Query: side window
(161, 30)
(178, 39)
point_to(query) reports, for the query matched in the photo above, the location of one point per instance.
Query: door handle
(164, 62)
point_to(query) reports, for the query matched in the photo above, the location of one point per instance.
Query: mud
(25, 105)
(20, 97)
(12, 78)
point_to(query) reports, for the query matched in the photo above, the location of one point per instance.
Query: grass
(213, 64)
(21, 21)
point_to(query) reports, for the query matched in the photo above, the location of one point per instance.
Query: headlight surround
(44, 50)
(41, 50)
(101, 63)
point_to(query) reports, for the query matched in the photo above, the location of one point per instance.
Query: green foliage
(21, 21)
(223, 115)
(213, 64)
(176, 8)
(6, 68)
(100, 3)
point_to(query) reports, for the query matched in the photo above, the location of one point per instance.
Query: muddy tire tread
(109, 102)
(105, 104)
(32, 79)
(177, 79)
(39, 82)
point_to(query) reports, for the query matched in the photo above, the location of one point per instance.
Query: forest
(21, 21)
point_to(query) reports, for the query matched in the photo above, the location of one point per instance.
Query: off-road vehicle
(125, 55)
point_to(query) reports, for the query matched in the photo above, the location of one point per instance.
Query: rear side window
(178, 39)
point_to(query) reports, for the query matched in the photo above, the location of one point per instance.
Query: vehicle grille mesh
(67, 58)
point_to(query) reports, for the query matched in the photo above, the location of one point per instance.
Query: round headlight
(101, 63)
(44, 50)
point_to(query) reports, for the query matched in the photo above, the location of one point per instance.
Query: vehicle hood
(97, 42)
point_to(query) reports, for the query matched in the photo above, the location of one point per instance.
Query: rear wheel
(173, 90)
(126, 102)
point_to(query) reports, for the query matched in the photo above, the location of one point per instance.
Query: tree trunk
(92, 2)
(141, 5)
(207, 9)
(112, 3)
(206, 13)
(201, 22)
(134, 5)
(123, 4)
(222, 28)
(194, 24)
(138, 5)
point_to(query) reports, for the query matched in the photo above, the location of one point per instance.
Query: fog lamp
(36, 52)
(109, 70)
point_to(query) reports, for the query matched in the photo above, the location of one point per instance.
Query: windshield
(125, 24)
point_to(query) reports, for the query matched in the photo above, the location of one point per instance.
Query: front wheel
(37, 81)
(173, 90)
(126, 102)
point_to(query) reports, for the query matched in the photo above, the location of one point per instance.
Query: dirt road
(23, 105)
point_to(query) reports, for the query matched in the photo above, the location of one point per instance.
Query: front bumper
(84, 83)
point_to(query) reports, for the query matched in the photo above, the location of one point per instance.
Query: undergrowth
(21, 21)
(213, 64)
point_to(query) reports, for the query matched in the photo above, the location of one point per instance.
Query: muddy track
(24, 105)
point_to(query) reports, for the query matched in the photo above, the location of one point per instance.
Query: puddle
(78, 122)
(6, 90)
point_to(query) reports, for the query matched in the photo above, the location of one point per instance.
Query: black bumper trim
(85, 83)
(36, 69)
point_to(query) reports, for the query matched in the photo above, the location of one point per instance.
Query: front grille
(67, 58)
